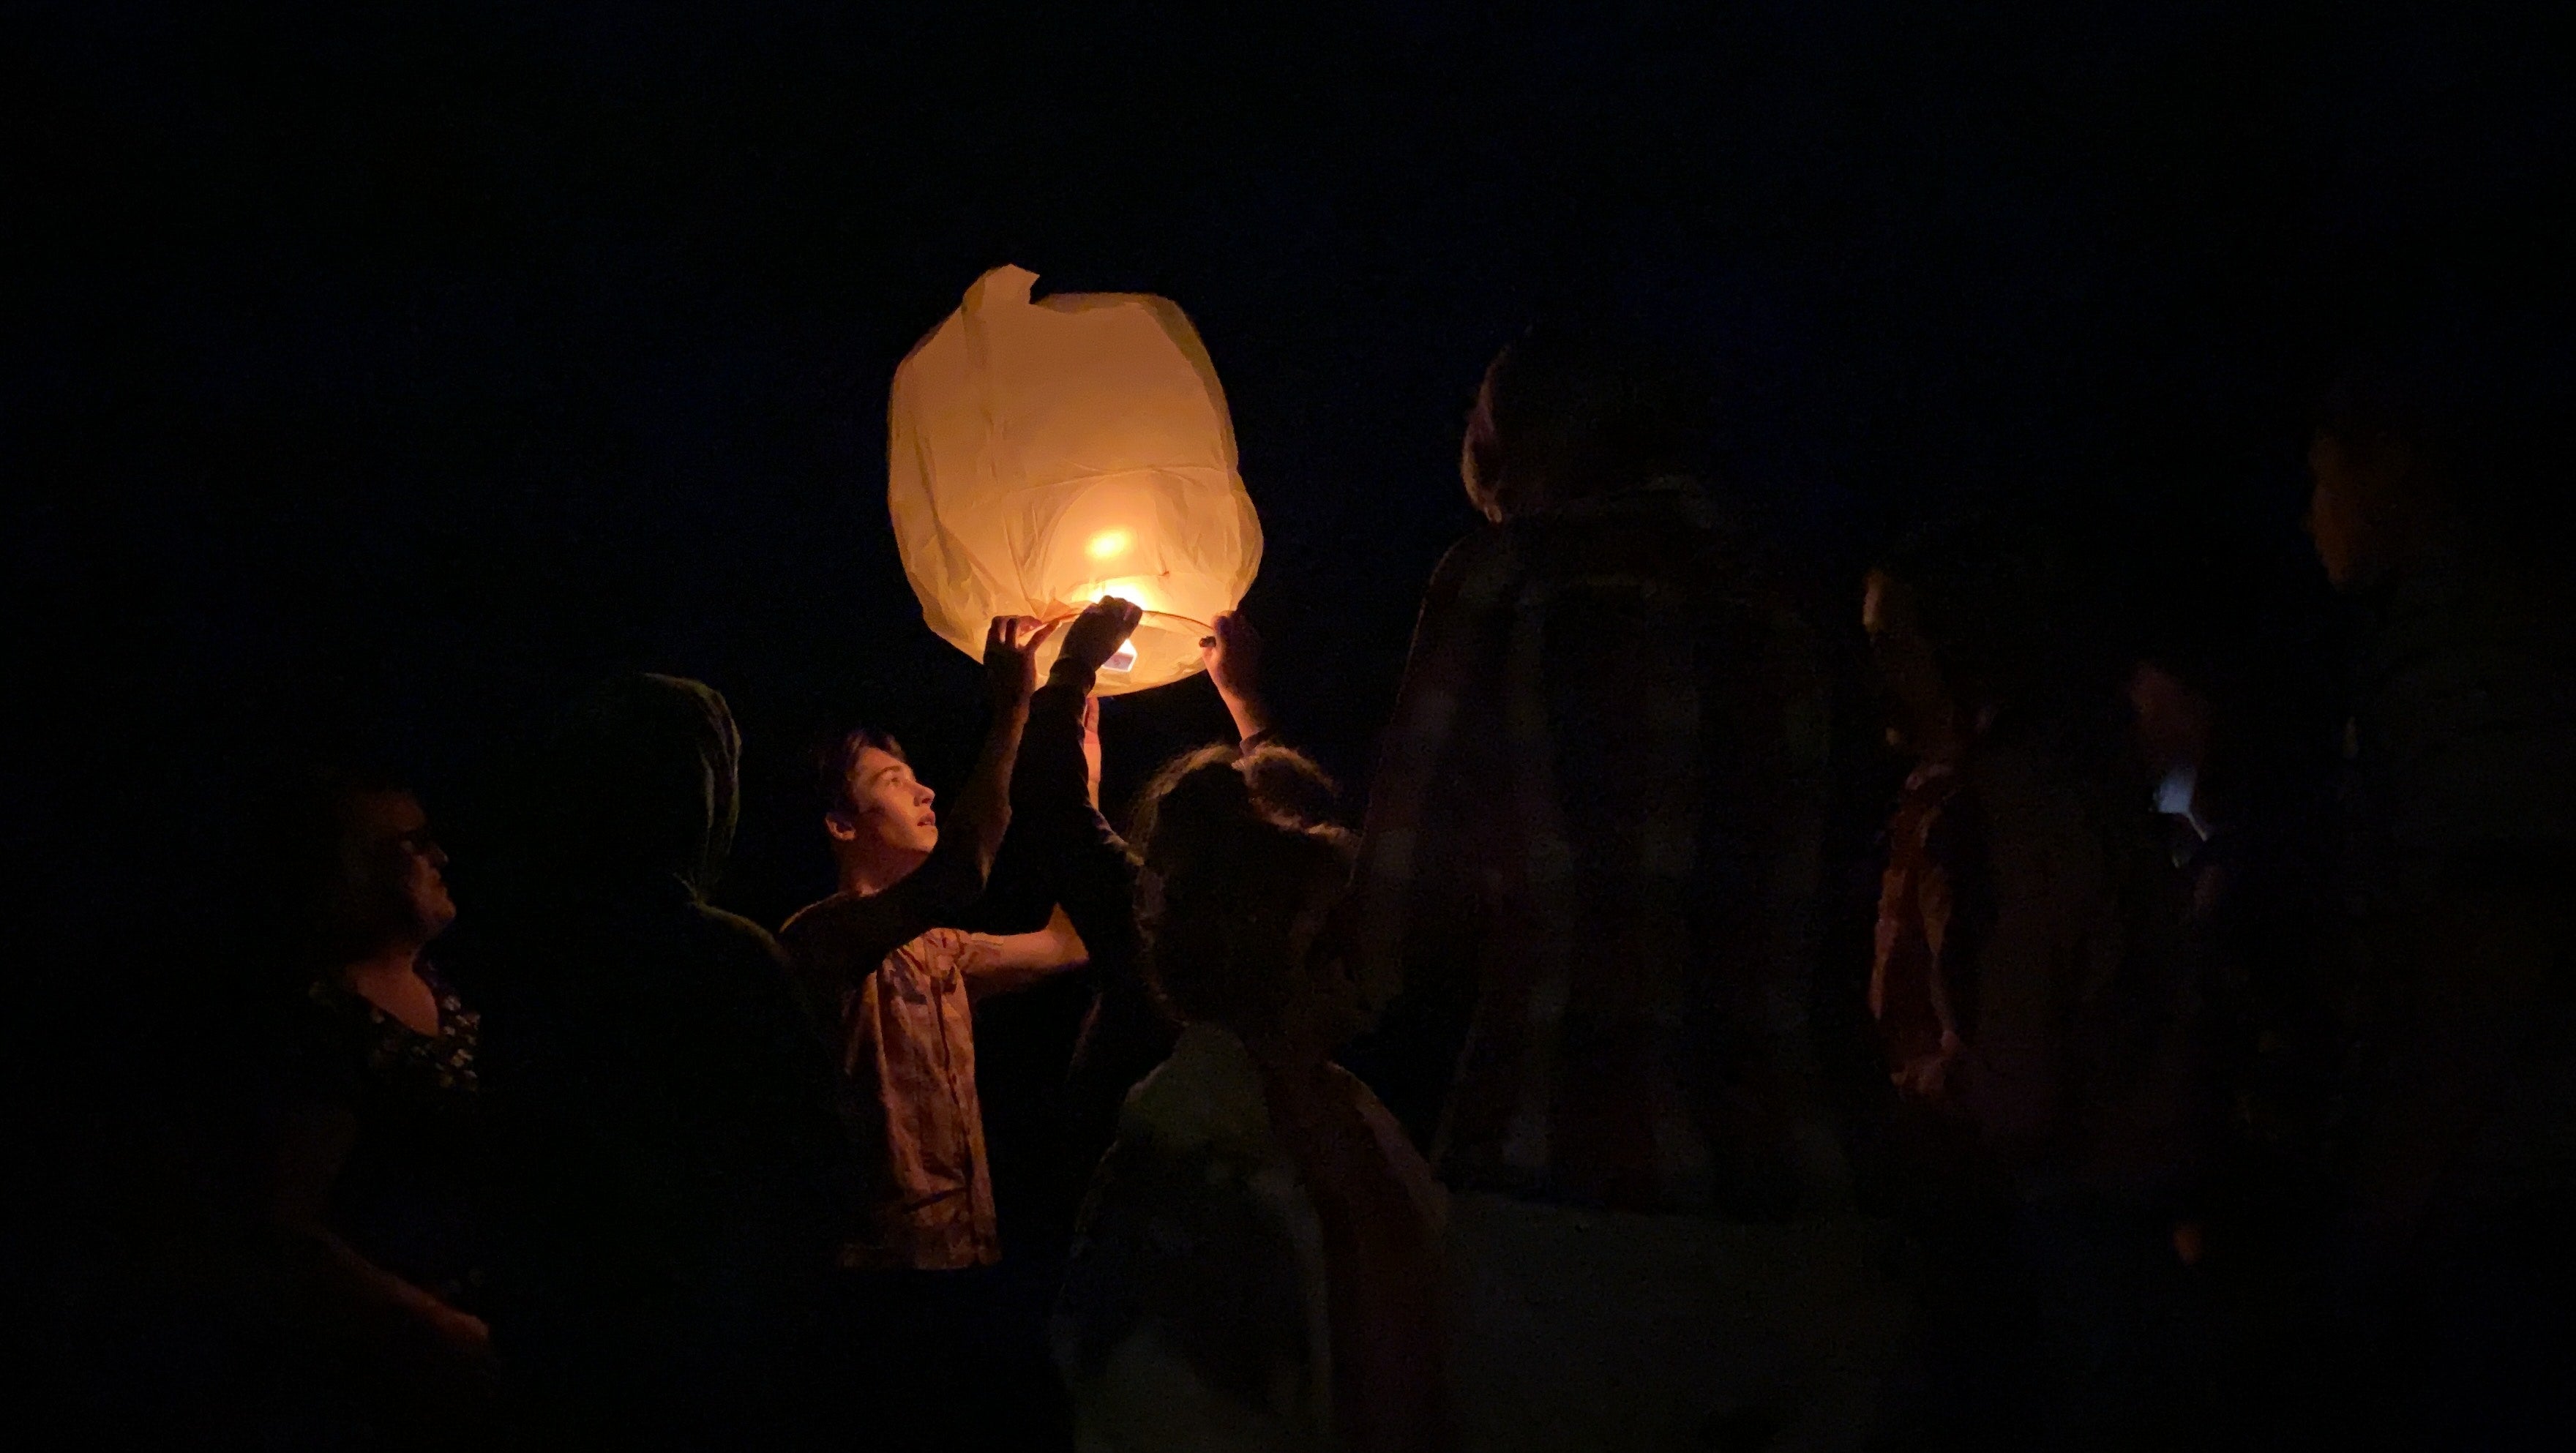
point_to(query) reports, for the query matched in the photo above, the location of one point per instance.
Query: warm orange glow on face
(1109, 544)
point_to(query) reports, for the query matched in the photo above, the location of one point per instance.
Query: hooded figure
(681, 1170)
(649, 778)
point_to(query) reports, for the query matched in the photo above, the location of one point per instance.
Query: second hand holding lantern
(1041, 455)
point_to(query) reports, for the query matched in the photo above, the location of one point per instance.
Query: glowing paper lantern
(1041, 455)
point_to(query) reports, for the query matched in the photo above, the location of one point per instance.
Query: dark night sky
(384, 371)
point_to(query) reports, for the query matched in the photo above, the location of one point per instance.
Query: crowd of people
(2205, 1073)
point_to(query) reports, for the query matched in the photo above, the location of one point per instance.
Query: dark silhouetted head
(362, 873)
(1569, 413)
(1237, 903)
(645, 783)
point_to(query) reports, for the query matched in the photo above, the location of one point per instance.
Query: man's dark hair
(837, 757)
(1591, 410)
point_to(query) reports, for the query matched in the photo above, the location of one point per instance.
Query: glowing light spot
(1109, 543)
(1145, 592)
(1123, 660)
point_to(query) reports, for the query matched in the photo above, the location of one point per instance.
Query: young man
(899, 985)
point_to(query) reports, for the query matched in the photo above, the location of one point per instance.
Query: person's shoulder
(804, 922)
(2013, 774)
(930, 958)
(1206, 1097)
(819, 924)
(2033, 800)
(732, 934)
(1411, 1167)
(1475, 569)
(1356, 1092)
(1482, 543)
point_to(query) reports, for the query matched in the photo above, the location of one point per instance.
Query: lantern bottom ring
(1165, 647)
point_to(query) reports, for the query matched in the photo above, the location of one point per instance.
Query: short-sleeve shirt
(412, 1196)
(907, 1033)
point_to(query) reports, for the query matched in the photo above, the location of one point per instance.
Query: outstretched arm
(1087, 861)
(997, 963)
(857, 932)
(983, 810)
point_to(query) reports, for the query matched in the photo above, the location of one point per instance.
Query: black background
(379, 374)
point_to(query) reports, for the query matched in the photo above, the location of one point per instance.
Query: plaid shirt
(1597, 816)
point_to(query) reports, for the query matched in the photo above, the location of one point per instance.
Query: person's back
(668, 1096)
(2459, 1159)
(1639, 819)
(2030, 1009)
(1597, 820)
(679, 1169)
(1258, 1261)
(2464, 726)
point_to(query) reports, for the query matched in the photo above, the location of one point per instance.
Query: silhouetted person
(1258, 1261)
(2247, 822)
(2032, 1015)
(681, 1172)
(1596, 821)
(882, 962)
(2238, 722)
(1127, 1033)
(2462, 1153)
(380, 1172)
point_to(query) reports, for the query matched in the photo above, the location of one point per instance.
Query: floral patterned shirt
(413, 1194)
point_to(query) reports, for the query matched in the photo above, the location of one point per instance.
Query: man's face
(888, 810)
(393, 866)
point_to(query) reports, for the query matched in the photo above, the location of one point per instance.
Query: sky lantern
(1043, 454)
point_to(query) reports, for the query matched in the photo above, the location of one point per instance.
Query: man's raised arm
(861, 930)
(1087, 861)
